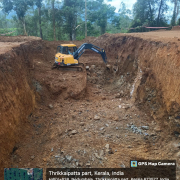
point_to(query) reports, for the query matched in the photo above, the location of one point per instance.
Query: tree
(72, 9)
(143, 12)
(173, 20)
(20, 7)
(52, 2)
(161, 10)
(149, 13)
(32, 18)
(39, 5)
(100, 13)
(53, 12)
(175, 11)
(124, 16)
(85, 18)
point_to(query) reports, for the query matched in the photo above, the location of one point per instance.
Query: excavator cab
(67, 49)
(64, 55)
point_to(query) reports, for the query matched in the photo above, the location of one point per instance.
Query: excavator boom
(83, 47)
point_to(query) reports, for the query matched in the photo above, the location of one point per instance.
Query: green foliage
(19, 6)
(163, 7)
(124, 17)
(93, 29)
(38, 3)
(8, 31)
(7, 5)
(70, 11)
(100, 13)
(32, 23)
(65, 19)
(144, 12)
(149, 13)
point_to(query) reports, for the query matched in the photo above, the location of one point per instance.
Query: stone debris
(101, 153)
(135, 129)
(32, 157)
(87, 67)
(73, 132)
(108, 149)
(145, 127)
(97, 156)
(51, 106)
(107, 146)
(80, 164)
(96, 117)
(57, 156)
(93, 66)
(157, 128)
(123, 166)
(88, 164)
(176, 145)
(146, 134)
(69, 158)
(82, 123)
(101, 128)
(119, 95)
(176, 133)
(116, 118)
(108, 66)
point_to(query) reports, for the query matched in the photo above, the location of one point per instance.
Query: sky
(129, 5)
(116, 3)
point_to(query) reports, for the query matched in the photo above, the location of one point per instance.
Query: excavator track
(79, 67)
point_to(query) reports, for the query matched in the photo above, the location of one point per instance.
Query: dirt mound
(175, 28)
(159, 30)
(18, 38)
(57, 83)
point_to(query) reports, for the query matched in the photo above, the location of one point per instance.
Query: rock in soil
(69, 158)
(73, 132)
(96, 117)
(51, 106)
(145, 127)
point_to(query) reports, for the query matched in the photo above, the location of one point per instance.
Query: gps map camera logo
(133, 163)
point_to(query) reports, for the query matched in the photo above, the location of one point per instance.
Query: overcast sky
(129, 4)
(116, 3)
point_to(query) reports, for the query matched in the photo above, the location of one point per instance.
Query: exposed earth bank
(100, 117)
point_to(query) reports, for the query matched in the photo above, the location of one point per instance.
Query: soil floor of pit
(71, 133)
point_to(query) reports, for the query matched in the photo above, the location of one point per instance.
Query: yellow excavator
(68, 55)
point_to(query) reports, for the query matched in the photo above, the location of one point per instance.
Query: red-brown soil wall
(17, 95)
(159, 88)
